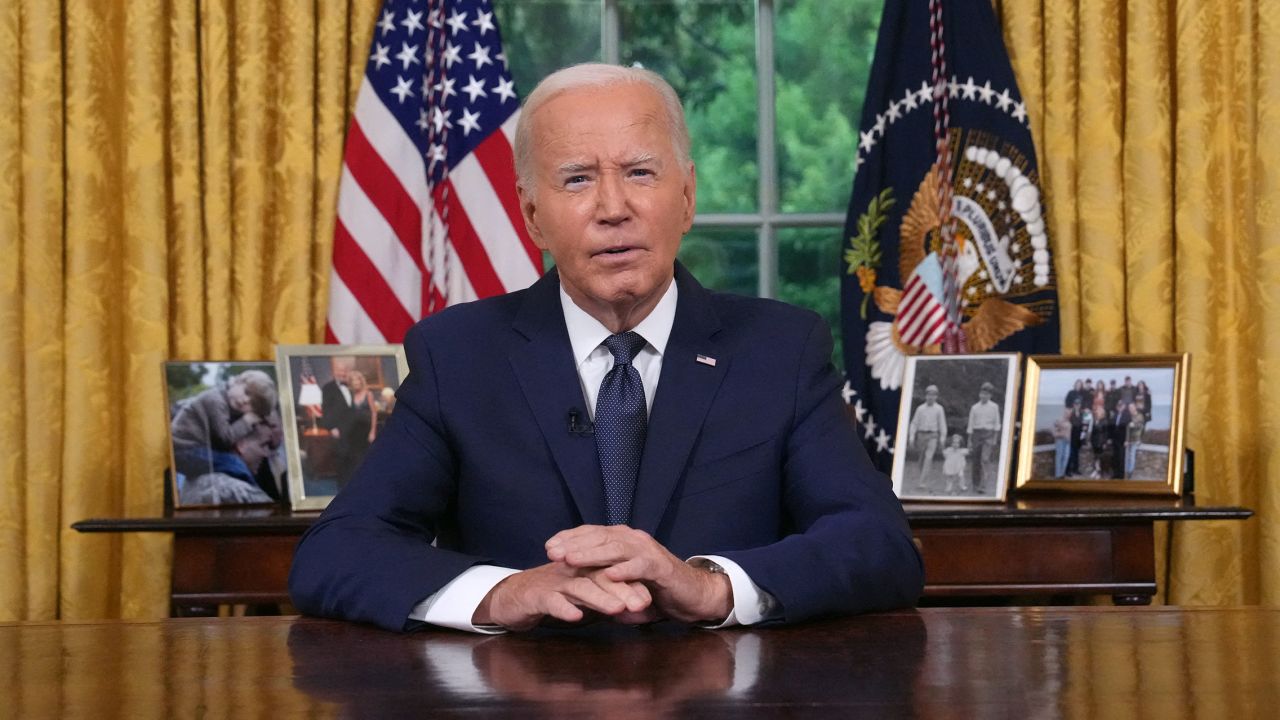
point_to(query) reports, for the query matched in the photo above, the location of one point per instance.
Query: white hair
(598, 75)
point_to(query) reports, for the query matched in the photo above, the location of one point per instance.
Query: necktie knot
(624, 346)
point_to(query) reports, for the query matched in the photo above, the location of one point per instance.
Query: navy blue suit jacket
(751, 458)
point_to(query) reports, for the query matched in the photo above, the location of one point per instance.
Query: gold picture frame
(327, 439)
(1077, 439)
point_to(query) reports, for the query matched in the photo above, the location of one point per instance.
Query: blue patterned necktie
(621, 422)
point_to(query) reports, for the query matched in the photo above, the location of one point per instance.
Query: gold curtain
(1157, 123)
(167, 181)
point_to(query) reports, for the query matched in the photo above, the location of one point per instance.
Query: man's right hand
(558, 591)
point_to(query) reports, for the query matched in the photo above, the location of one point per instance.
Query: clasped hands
(613, 571)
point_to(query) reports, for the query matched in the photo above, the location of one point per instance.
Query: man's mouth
(616, 250)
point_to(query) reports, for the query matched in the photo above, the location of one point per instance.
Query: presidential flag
(427, 207)
(945, 245)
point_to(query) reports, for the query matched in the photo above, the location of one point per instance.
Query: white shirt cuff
(751, 604)
(453, 605)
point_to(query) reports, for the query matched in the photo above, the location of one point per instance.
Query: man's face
(608, 200)
(984, 395)
(930, 396)
(341, 368)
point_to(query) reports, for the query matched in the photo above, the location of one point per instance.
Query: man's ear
(690, 197)
(528, 210)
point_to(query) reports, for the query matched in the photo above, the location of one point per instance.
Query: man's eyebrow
(574, 167)
(643, 159)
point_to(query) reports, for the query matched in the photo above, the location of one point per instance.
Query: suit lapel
(686, 389)
(548, 376)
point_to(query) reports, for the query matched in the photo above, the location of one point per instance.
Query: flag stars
(424, 120)
(882, 441)
(412, 21)
(469, 122)
(910, 100)
(446, 86)
(408, 55)
(379, 56)
(986, 92)
(878, 129)
(440, 118)
(434, 19)
(859, 410)
(475, 88)
(436, 154)
(1020, 112)
(866, 141)
(847, 392)
(505, 88)
(403, 88)
(483, 22)
(969, 90)
(870, 426)
(894, 112)
(480, 56)
(452, 54)
(457, 23)
(925, 93)
(1003, 100)
(502, 58)
(388, 22)
(953, 88)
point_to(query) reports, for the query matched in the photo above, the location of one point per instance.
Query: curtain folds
(167, 182)
(1154, 120)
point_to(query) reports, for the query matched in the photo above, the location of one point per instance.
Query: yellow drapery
(167, 182)
(167, 175)
(1157, 124)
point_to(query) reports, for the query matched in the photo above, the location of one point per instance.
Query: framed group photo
(1104, 423)
(954, 440)
(336, 399)
(226, 445)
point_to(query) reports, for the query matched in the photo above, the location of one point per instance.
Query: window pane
(723, 258)
(823, 59)
(542, 36)
(808, 274)
(706, 50)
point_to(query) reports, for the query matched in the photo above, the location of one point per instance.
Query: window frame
(768, 219)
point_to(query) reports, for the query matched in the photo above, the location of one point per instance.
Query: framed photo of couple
(1110, 424)
(336, 399)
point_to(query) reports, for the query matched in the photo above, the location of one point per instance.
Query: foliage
(706, 49)
(863, 255)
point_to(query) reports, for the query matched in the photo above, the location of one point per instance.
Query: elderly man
(615, 441)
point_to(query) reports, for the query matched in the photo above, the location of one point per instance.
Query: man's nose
(611, 199)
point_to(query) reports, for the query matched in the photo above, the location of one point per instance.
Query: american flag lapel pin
(707, 360)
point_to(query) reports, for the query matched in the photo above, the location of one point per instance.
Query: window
(773, 95)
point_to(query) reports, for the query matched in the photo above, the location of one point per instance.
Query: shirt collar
(587, 333)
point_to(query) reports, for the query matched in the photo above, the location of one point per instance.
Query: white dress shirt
(454, 604)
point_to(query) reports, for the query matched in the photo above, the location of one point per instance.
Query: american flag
(427, 207)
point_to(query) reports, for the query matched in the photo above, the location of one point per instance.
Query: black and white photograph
(955, 430)
(1104, 424)
(226, 441)
(336, 402)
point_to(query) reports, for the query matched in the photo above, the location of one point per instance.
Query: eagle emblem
(1002, 256)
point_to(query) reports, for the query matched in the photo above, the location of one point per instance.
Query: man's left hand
(680, 591)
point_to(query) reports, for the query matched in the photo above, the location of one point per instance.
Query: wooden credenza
(1045, 547)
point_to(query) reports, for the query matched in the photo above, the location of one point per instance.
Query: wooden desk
(1031, 546)
(1166, 663)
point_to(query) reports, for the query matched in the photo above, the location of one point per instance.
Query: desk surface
(1077, 510)
(1168, 663)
